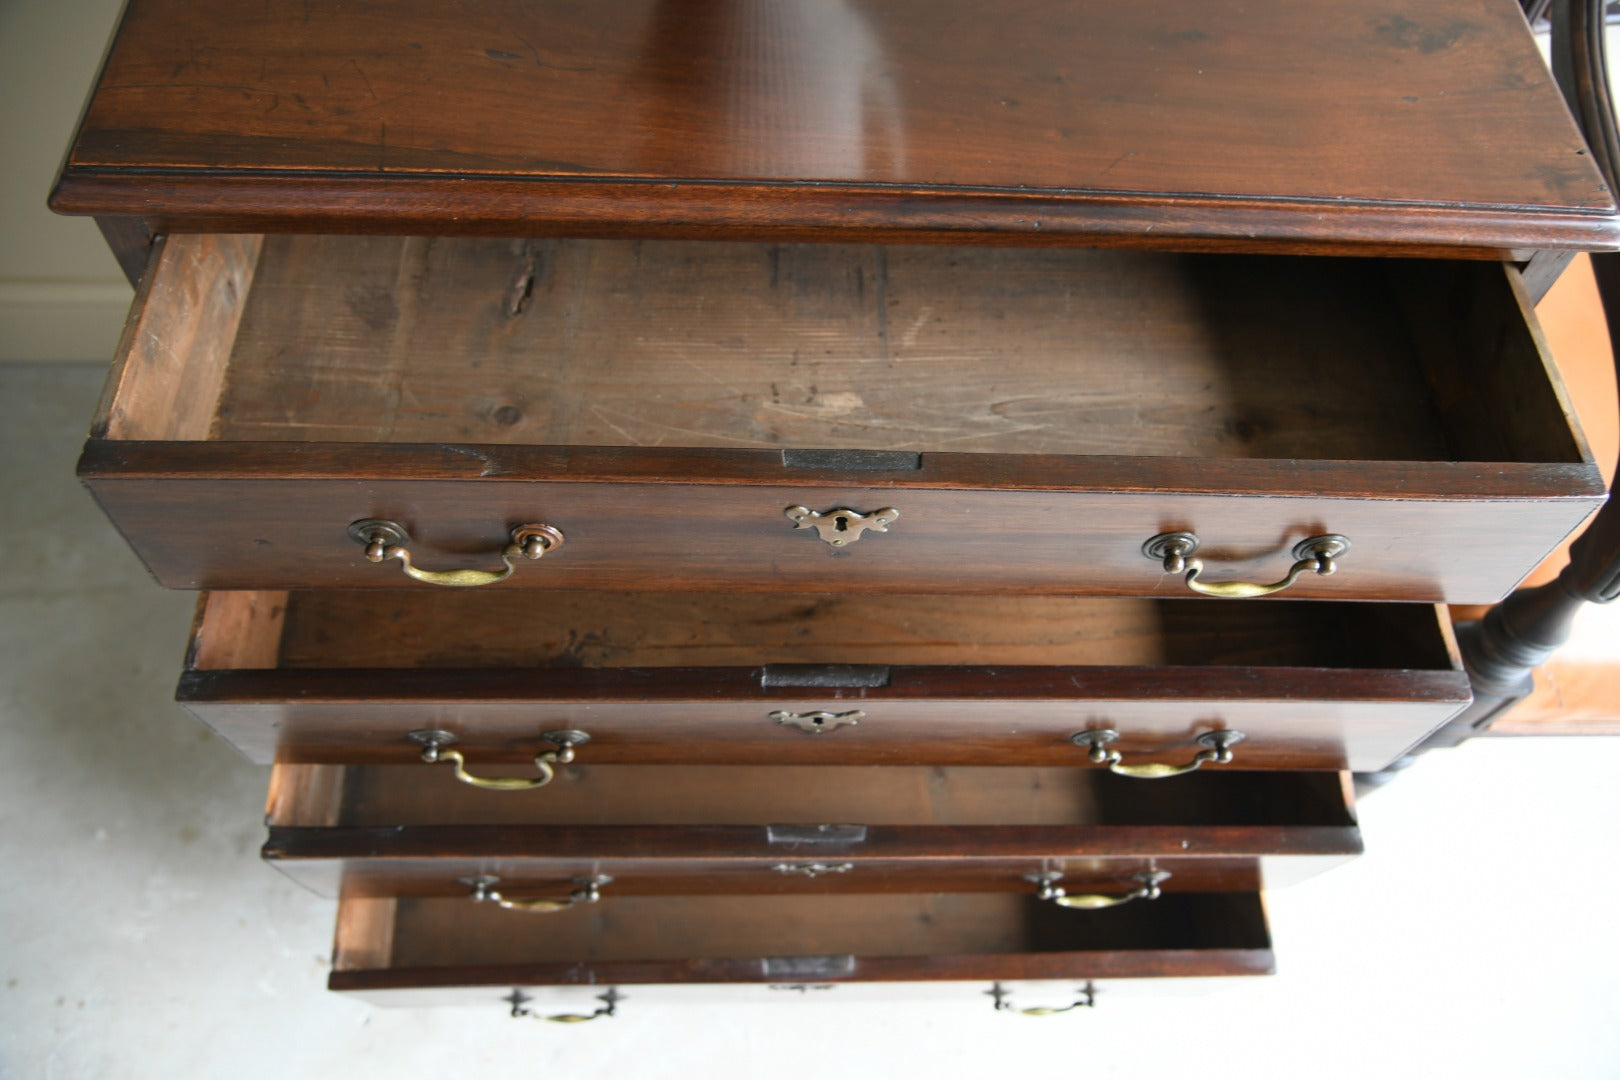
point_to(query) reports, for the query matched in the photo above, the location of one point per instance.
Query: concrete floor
(1478, 936)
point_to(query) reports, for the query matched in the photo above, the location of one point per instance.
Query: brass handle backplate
(1085, 998)
(520, 1007)
(843, 526)
(1147, 888)
(587, 890)
(435, 745)
(1174, 551)
(384, 540)
(1217, 749)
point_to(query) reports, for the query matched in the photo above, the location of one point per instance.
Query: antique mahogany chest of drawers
(781, 490)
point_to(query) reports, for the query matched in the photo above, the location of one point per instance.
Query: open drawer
(415, 831)
(470, 956)
(349, 675)
(671, 415)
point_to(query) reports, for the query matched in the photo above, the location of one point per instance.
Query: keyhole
(818, 721)
(841, 523)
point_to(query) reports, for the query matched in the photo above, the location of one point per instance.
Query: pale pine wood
(170, 364)
(827, 347)
(365, 933)
(237, 629)
(449, 932)
(1572, 697)
(309, 795)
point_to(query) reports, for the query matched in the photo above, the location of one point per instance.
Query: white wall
(62, 296)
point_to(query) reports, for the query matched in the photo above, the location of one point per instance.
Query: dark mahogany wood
(343, 677)
(1024, 716)
(1542, 270)
(1300, 126)
(274, 515)
(131, 242)
(426, 943)
(543, 861)
(531, 869)
(677, 846)
(416, 830)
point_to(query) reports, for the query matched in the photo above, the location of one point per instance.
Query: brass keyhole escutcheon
(842, 526)
(819, 722)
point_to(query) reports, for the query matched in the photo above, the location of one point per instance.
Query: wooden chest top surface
(1355, 125)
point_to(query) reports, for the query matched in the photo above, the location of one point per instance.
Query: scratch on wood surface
(735, 391)
(909, 338)
(521, 290)
(999, 432)
(363, 77)
(819, 406)
(600, 414)
(662, 430)
(1112, 165)
(881, 297)
(489, 466)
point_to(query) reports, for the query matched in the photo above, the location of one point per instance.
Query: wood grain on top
(1232, 123)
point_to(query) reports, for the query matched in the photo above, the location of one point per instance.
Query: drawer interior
(632, 795)
(440, 932)
(456, 629)
(899, 349)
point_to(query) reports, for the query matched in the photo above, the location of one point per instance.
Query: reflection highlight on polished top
(782, 89)
(1432, 101)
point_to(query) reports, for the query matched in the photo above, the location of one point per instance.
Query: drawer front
(520, 863)
(416, 831)
(294, 678)
(677, 417)
(418, 943)
(384, 873)
(922, 718)
(250, 516)
(564, 1003)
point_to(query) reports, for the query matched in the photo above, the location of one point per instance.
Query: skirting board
(61, 321)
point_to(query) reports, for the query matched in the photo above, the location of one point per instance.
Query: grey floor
(141, 938)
